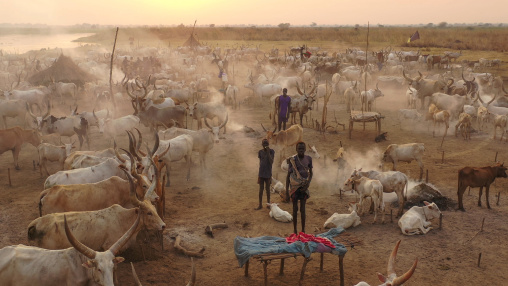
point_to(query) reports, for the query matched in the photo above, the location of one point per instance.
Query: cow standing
(12, 139)
(405, 153)
(479, 177)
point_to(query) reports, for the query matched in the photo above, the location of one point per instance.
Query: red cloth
(303, 237)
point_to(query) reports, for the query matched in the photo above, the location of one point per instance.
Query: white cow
(412, 97)
(179, 148)
(277, 187)
(113, 127)
(369, 96)
(278, 214)
(92, 174)
(310, 151)
(52, 153)
(13, 108)
(404, 153)
(416, 219)
(344, 220)
(365, 187)
(78, 265)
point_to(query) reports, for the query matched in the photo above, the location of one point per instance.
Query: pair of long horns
(90, 253)
(222, 125)
(398, 280)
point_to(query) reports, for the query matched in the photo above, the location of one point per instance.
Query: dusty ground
(227, 191)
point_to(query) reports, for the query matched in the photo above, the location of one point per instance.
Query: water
(19, 44)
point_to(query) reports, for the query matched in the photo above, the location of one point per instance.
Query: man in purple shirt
(284, 108)
(298, 181)
(265, 156)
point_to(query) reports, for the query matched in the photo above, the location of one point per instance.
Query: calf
(412, 97)
(344, 220)
(479, 177)
(482, 117)
(500, 121)
(404, 153)
(465, 126)
(416, 219)
(439, 116)
(52, 153)
(278, 214)
(278, 187)
(365, 187)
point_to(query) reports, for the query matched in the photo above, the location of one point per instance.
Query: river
(19, 44)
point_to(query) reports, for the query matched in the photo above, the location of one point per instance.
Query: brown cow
(13, 138)
(479, 177)
(284, 138)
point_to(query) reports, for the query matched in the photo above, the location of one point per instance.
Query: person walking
(265, 156)
(298, 181)
(284, 108)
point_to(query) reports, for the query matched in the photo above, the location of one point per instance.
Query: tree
(212, 25)
(430, 25)
(442, 25)
(313, 24)
(284, 26)
(181, 25)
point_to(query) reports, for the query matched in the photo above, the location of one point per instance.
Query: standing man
(299, 178)
(284, 108)
(265, 156)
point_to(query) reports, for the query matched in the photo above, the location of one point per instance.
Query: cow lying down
(344, 220)
(416, 219)
(278, 214)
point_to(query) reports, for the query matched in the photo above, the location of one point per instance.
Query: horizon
(298, 13)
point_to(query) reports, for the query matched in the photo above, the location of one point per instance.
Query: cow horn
(402, 279)
(421, 76)
(150, 191)
(298, 88)
(192, 282)
(225, 121)
(494, 98)
(83, 249)
(274, 129)
(48, 111)
(126, 237)
(206, 123)
(261, 126)
(132, 190)
(480, 98)
(314, 88)
(504, 90)
(377, 83)
(391, 261)
(118, 154)
(30, 111)
(163, 153)
(136, 279)
(132, 142)
(129, 93)
(94, 116)
(138, 145)
(156, 143)
(406, 77)
(463, 77)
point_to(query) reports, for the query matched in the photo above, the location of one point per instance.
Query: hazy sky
(257, 12)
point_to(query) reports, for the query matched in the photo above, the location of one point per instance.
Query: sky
(258, 12)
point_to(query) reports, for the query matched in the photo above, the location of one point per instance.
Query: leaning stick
(211, 227)
(481, 229)
(136, 279)
(188, 252)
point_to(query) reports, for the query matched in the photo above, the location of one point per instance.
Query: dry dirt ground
(227, 192)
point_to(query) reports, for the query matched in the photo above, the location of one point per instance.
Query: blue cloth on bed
(245, 248)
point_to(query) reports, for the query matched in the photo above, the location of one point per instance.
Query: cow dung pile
(426, 192)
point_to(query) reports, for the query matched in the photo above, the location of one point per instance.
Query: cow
(365, 187)
(179, 148)
(32, 97)
(391, 279)
(284, 138)
(208, 110)
(77, 155)
(479, 177)
(425, 87)
(113, 127)
(61, 89)
(408, 114)
(464, 123)
(12, 139)
(91, 174)
(310, 151)
(432, 60)
(78, 265)
(412, 97)
(13, 108)
(231, 96)
(438, 117)
(107, 223)
(454, 104)
(369, 96)
(300, 105)
(48, 152)
(416, 219)
(278, 214)
(264, 90)
(168, 116)
(344, 220)
(501, 122)
(392, 181)
(404, 153)
(350, 94)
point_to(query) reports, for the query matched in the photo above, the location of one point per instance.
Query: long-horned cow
(404, 153)
(425, 87)
(284, 138)
(78, 265)
(12, 139)
(479, 177)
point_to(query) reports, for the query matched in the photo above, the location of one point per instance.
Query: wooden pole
(483, 221)
(341, 269)
(427, 176)
(366, 54)
(495, 159)
(479, 258)
(321, 263)
(111, 73)
(391, 215)
(325, 161)
(442, 157)
(440, 221)
(498, 196)
(33, 164)
(9, 175)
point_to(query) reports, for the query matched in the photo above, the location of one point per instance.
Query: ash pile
(427, 192)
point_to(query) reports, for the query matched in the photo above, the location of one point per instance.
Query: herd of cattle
(179, 92)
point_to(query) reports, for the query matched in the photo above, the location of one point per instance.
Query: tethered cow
(479, 177)
(12, 139)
